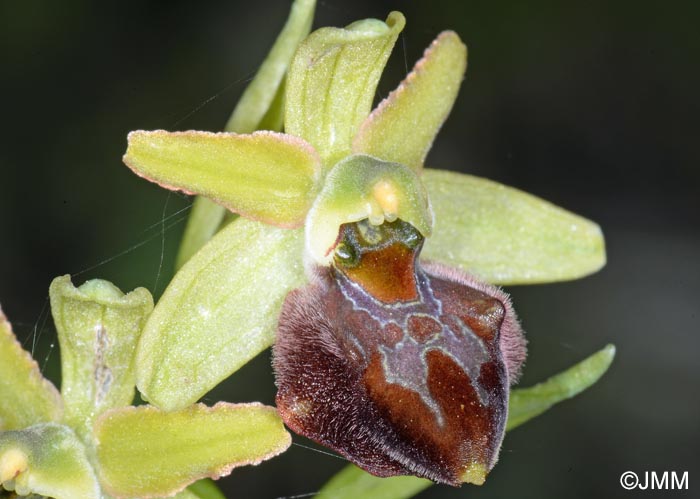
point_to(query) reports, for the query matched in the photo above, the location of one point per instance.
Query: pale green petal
(260, 93)
(219, 311)
(260, 107)
(145, 452)
(48, 460)
(98, 328)
(332, 81)
(402, 128)
(526, 403)
(26, 397)
(362, 187)
(506, 236)
(266, 176)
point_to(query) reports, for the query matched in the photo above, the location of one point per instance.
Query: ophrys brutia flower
(401, 364)
(87, 441)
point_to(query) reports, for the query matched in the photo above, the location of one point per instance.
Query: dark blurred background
(592, 105)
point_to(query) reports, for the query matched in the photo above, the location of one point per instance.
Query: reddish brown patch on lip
(387, 274)
(481, 312)
(422, 327)
(471, 431)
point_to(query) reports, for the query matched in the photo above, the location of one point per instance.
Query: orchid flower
(88, 442)
(376, 275)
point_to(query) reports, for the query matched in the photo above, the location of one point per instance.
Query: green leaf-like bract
(332, 81)
(402, 128)
(259, 95)
(219, 311)
(26, 397)
(506, 236)
(351, 482)
(525, 403)
(98, 329)
(145, 452)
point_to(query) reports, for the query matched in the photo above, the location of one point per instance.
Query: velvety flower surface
(401, 367)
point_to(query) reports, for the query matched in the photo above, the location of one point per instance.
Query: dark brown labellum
(400, 367)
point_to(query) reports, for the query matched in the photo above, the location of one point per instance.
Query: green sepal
(219, 311)
(403, 126)
(332, 81)
(526, 403)
(265, 176)
(145, 452)
(26, 397)
(362, 187)
(204, 221)
(46, 459)
(506, 236)
(98, 328)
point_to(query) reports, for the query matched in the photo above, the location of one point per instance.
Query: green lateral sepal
(219, 311)
(506, 236)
